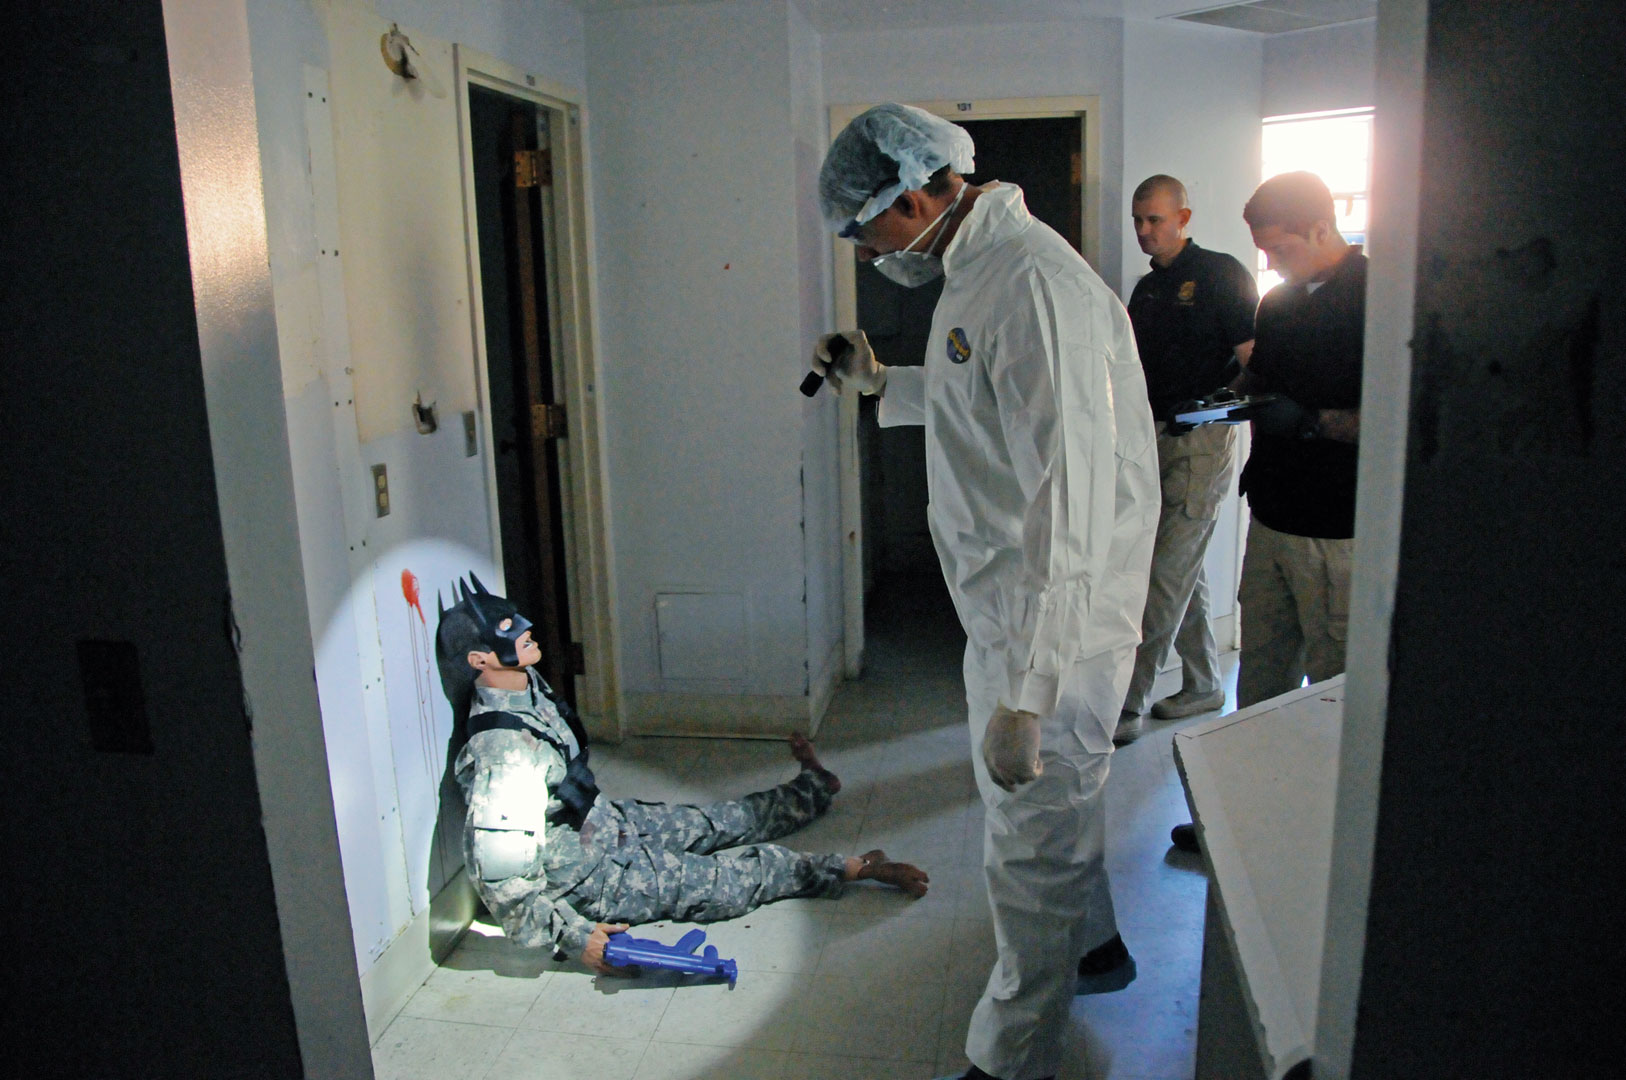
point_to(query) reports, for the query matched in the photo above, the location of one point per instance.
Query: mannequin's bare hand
(593, 955)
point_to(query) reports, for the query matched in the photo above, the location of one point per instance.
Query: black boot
(1106, 968)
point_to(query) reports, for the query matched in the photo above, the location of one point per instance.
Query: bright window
(1336, 146)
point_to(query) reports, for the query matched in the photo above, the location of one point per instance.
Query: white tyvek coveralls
(1043, 478)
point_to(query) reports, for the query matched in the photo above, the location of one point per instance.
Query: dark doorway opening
(903, 582)
(513, 184)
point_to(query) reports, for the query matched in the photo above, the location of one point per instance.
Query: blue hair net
(884, 152)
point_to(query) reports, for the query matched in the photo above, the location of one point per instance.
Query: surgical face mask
(912, 269)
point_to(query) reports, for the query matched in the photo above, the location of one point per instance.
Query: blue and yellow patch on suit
(959, 346)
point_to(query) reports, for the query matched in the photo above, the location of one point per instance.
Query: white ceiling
(859, 15)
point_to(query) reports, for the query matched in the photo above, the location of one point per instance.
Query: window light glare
(1336, 146)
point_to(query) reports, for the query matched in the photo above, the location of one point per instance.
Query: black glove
(1286, 418)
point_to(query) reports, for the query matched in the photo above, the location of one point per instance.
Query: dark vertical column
(145, 933)
(1493, 946)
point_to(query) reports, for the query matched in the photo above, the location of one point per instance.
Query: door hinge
(548, 421)
(578, 658)
(533, 168)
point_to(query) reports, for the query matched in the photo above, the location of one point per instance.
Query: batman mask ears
(488, 611)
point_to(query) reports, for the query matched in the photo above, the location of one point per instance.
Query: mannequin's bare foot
(802, 751)
(875, 866)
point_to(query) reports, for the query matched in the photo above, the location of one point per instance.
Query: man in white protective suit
(1043, 480)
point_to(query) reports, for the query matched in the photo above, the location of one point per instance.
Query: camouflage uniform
(630, 861)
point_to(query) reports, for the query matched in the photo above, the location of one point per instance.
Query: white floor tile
(475, 996)
(858, 944)
(1149, 1028)
(758, 1013)
(841, 1067)
(413, 1048)
(925, 839)
(583, 1004)
(678, 1061)
(484, 948)
(890, 1016)
(553, 1055)
(974, 952)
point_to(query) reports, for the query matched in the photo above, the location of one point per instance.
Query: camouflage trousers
(657, 861)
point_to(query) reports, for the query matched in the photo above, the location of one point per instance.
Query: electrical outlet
(381, 492)
(471, 440)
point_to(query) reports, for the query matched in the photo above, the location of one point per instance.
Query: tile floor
(870, 986)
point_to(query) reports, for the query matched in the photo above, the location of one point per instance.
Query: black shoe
(1184, 837)
(975, 1073)
(1106, 968)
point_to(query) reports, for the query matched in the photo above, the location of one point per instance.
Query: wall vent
(1284, 16)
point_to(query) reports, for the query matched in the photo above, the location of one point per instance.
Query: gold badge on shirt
(1188, 292)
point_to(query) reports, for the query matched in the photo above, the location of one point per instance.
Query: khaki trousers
(1196, 475)
(1295, 611)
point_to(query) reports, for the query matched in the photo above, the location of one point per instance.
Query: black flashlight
(838, 347)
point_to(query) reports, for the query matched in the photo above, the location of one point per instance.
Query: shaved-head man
(1193, 319)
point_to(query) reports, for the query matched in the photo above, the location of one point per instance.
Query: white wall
(702, 310)
(362, 331)
(1209, 139)
(821, 486)
(1315, 70)
(544, 37)
(1081, 57)
(1191, 109)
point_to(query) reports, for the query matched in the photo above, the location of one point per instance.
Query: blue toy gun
(625, 951)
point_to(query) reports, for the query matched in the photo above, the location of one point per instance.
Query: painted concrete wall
(1315, 70)
(1081, 57)
(364, 210)
(702, 311)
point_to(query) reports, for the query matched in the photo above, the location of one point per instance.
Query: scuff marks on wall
(1529, 267)
(1508, 362)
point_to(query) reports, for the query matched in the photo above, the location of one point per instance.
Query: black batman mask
(488, 613)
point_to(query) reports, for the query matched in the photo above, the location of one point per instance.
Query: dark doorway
(513, 202)
(1043, 156)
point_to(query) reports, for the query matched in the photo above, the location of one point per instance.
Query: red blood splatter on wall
(423, 671)
(409, 589)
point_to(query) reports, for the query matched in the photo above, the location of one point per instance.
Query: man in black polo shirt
(1300, 476)
(1193, 319)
